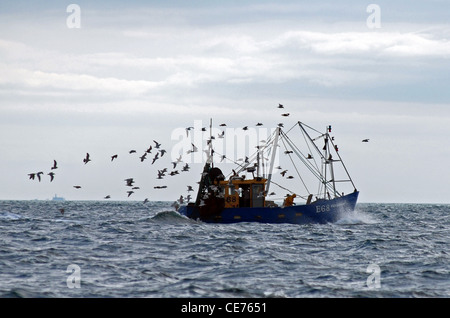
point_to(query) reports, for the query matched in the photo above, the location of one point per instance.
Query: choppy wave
(136, 250)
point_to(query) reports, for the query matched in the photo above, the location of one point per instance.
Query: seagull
(86, 160)
(156, 157)
(190, 188)
(365, 140)
(52, 176)
(288, 152)
(54, 165)
(77, 187)
(129, 182)
(149, 149)
(259, 124)
(290, 177)
(245, 128)
(285, 115)
(144, 156)
(39, 175)
(194, 149)
(222, 125)
(187, 131)
(160, 187)
(157, 144)
(130, 193)
(280, 125)
(185, 167)
(162, 152)
(146, 200)
(204, 129)
(283, 172)
(160, 174)
(113, 157)
(107, 197)
(221, 135)
(32, 175)
(132, 151)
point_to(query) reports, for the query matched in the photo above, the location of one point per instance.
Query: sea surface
(134, 250)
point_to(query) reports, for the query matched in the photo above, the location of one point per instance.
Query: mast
(211, 150)
(272, 161)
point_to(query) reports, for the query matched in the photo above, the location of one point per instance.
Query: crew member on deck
(289, 201)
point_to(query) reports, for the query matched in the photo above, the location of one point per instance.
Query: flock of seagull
(158, 155)
(129, 181)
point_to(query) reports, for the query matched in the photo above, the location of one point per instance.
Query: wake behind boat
(244, 195)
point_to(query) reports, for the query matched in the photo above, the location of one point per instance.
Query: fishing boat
(245, 195)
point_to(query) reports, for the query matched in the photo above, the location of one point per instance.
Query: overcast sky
(136, 71)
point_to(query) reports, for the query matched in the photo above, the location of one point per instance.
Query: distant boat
(56, 198)
(241, 199)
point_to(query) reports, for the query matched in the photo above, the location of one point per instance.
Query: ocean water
(134, 250)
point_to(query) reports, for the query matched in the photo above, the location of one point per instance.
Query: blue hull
(322, 211)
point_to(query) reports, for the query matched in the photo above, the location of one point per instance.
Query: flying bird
(77, 187)
(157, 144)
(222, 125)
(245, 128)
(190, 188)
(144, 156)
(107, 197)
(52, 176)
(39, 175)
(130, 193)
(187, 131)
(54, 165)
(31, 176)
(259, 124)
(87, 159)
(129, 182)
(194, 149)
(283, 172)
(113, 157)
(132, 151)
(365, 140)
(280, 106)
(156, 157)
(285, 115)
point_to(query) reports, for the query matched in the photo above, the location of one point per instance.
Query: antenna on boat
(211, 150)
